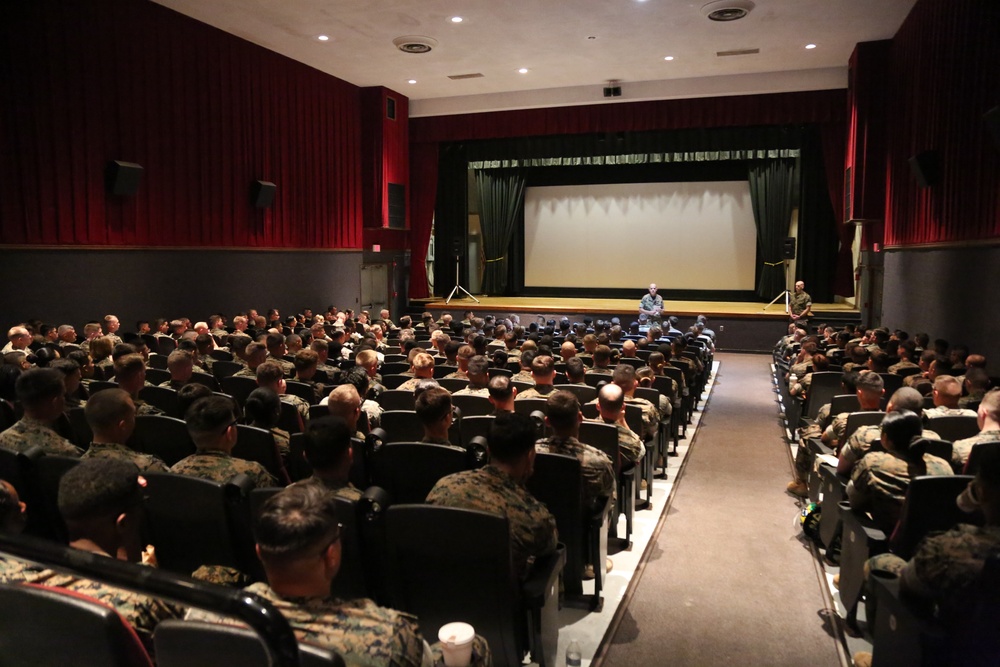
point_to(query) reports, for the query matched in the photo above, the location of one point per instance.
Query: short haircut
(319, 345)
(123, 349)
(432, 405)
(511, 436)
(101, 347)
(344, 398)
(295, 522)
(326, 442)
(358, 378)
(562, 410)
(179, 359)
(273, 340)
(305, 359)
(501, 388)
(35, 386)
(991, 404)
(263, 406)
(129, 366)
(269, 373)
(624, 375)
(602, 355)
(65, 366)
(366, 358)
(106, 408)
(611, 398)
(870, 383)
(422, 361)
(543, 365)
(575, 369)
(479, 365)
(907, 398)
(977, 378)
(99, 487)
(948, 385)
(208, 416)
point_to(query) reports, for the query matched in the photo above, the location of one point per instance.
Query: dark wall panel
(72, 286)
(949, 293)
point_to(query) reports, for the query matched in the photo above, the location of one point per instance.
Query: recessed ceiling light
(323, 38)
(456, 19)
(412, 81)
(523, 70)
(810, 46)
(668, 57)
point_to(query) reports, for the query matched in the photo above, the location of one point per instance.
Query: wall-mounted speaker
(397, 206)
(992, 121)
(926, 168)
(262, 193)
(612, 91)
(122, 178)
(788, 248)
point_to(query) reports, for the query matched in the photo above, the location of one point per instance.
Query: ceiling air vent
(737, 52)
(415, 43)
(459, 77)
(727, 10)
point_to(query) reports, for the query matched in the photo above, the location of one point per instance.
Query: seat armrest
(816, 446)
(239, 486)
(543, 577)
(873, 534)
(373, 503)
(598, 511)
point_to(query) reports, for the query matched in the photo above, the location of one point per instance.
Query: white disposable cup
(456, 643)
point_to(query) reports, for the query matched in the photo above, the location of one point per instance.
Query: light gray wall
(949, 293)
(72, 286)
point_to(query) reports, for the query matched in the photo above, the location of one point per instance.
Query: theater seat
(53, 626)
(186, 643)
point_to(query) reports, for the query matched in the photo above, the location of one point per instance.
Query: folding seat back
(54, 626)
(163, 398)
(401, 426)
(163, 437)
(184, 643)
(472, 406)
(954, 428)
(409, 470)
(396, 399)
(257, 444)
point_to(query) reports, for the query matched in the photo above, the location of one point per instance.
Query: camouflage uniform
(144, 409)
(489, 489)
(287, 367)
(141, 611)
(457, 375)
(909, 380)
(879, 482)
(435, 441)
(838, 428)
(905, 363)
(28, 432)
(650, 302)
(942, 411)
(601, 370)
(218, 466)
(246, 372)
(523, 376)
(301, 406)
(410, 384)
(960, 449)
(799, 302)
(176, 385)
(107, 450)
(473, 391)
(972, 399)
(861, 441)
(597, 469)
(538, 391)
(359, 630)
(650, 415)
(283, 440)
(344, 490)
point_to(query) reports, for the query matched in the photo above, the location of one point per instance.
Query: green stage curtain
(501, 205)
(771, 195)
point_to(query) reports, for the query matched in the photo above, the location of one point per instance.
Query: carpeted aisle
(729, 581)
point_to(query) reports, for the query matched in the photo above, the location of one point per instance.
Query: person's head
(41, 393)
(869, 387)
(13, 511)
(512, 443)
(345, 403)
(101, 348)
(188, 394)
(72, 375)
(271, 376)
(423, 365)
(327, 445)
(899, 429)
(298, 538)
(130, 372)
(905, 398)
(563, 413)
(602, 356)
(610, 402)
(575, 370)
(101, 501)
(262, 408)
(989, 410)
(906, 350)
(305, 364)
(983, 492)
(180, 363)
(628, 348)
(543, 369)
(19, 337)
(433, 407)
(799, 286)
(624, 377)
(502, 392)
(275, 343)
(977, 381)
(111, 416)
(211, 421)
(947, 391)
(652, 289)
(940, 366)
(478, 371)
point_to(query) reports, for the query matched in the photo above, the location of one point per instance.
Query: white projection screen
(690, 236)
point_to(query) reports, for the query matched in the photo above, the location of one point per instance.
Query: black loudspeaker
(992, 121)
(397, 206)
(122, 178)
(612, 91)
(457, 246)
(926, 168)
(788, 248)
(262, 193)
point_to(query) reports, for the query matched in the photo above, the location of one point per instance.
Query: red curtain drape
(423, 195)
(834, 141)
(205, 113)
(942, 79)
(740, 111)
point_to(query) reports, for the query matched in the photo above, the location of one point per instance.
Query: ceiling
(570, 47)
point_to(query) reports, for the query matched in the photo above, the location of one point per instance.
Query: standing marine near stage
(651, 306)
(800, 304)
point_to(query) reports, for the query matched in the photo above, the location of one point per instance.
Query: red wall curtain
(942, 79)
(204, 112)
(773, 109)
(423, 195)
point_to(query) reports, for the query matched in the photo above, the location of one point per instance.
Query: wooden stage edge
(627, 309)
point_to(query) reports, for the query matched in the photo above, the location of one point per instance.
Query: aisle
(729, 581)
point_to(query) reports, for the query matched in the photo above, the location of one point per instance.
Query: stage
(739, 326)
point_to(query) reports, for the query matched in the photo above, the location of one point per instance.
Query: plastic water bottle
(574, 657)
